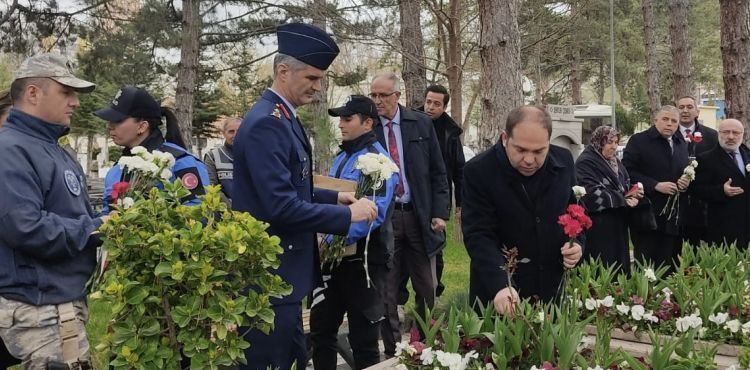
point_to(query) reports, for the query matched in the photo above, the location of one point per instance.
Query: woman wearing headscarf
(608, 198)
(133, 120)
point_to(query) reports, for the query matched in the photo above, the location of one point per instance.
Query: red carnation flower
(119, 188)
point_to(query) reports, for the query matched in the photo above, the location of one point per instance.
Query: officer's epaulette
(278, 109)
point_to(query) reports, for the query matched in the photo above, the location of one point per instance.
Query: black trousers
(410, 260)
(345, 291)
(657, 247)
(284, 345)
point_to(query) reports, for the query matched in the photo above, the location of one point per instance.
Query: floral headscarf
(600, 137)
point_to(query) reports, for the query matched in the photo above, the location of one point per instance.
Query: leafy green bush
(177, 281)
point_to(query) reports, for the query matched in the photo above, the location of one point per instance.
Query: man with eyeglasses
(722, 179)
(422, 203)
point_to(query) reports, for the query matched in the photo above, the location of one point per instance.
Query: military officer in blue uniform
(133, 120)
(273, 182)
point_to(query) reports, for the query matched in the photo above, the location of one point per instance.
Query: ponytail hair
(173, 135)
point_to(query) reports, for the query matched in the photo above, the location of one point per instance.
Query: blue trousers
(280, 348)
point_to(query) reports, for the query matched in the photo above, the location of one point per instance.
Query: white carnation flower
(649, 316)
(139, 150)
(591, 304)
(637, 312)
(747, 167)
(718, 318)
(165, 174)
(427, 357)
(127, 202)
(650, 275)
(733, 326)
(694, 163)
(623, 309)
(579, 191)
(667, 293)
(746, 328)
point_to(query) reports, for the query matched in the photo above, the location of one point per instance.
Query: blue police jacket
(344, 168)
(189, 169)
(273, 182)
(46, 220)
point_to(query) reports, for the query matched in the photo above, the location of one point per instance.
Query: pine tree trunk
(682, 80)
(500, 54)
(322, 133)
(575, 61)
(652, 65)
(575, 77)
(601, 82)
(454, 62)
(412, 44)
(735, 53)
(188, 69)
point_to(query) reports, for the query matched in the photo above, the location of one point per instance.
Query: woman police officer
(133, 120)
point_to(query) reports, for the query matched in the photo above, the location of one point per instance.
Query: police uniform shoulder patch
(190, 181)
(72, 183)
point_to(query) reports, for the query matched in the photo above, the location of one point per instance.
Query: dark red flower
(419, 346)
(414, 335)
(636, 300)
(733, 311)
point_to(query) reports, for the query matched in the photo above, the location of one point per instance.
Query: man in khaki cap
(48, 236)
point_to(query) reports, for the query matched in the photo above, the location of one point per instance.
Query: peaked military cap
(308, 44)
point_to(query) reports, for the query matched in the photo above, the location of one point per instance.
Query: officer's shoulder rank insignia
(276, 113)
(280, 108)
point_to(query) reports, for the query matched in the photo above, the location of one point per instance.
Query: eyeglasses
(376, 96)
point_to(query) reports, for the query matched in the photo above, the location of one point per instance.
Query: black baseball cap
(356, 104)
(130, 102)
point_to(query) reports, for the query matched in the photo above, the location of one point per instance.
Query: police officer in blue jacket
(48, 235)
(344, 289)
(273, 182)
(133, 120)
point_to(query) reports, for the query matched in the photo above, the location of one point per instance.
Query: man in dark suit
(513, 195)
(700, 139)
(273, 182)
(449, 137)
(656, 158)
(722, 180)
(421, 206)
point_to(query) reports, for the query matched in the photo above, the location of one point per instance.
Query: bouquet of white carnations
(143, 170)
(672, 208)
(375, 169)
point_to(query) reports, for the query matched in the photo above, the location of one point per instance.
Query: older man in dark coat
(513, 195)
(722, 179)
(656, 158)
(421, 206)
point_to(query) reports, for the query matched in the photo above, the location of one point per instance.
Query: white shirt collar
(396, 119)
(691, 128)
